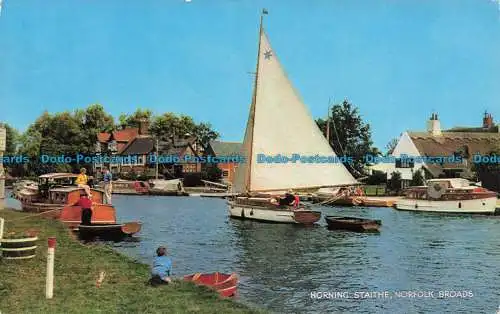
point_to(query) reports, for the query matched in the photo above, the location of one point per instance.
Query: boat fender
(251, 212)
(416, 205)
(242, 213)
(459, 204)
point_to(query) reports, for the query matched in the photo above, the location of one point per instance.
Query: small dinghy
(225, 284)
(353, 224)
(108, 231)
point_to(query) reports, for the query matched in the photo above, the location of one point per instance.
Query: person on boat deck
(82, 180)
(108, 188)
(86, 204)
(162, 266)
(288, 200)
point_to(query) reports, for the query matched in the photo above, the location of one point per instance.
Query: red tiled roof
(125, 135)
(103, 137)
(120, 147)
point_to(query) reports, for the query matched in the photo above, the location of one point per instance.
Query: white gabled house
(460, 141)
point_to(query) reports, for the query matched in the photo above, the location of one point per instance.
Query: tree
(133, 120)
(170, 125)
(377, 177)
(417, 178)
(205, 134)
(211, 173)
(394, 182)
(391, 146)
(12, 140)
(350, 136)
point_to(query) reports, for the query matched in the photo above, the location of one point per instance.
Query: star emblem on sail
(279, 123)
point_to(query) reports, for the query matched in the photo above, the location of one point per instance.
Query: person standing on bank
(108, 187)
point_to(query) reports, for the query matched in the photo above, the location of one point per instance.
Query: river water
(419, 263)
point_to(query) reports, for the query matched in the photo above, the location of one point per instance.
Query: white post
(49, 284)
(2, 222)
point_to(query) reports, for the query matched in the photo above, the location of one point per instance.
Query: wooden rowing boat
(353, 224)
(225, 284)
(108, 231)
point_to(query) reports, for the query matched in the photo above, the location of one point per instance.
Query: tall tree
(169, 125)
(349, 135)
(12, 139)
(391, 146)
(205, 133)
(417, 178)
(133, 120)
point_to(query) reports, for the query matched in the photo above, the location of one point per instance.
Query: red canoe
(225, 284)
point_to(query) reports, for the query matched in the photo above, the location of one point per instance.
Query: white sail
(280, 124)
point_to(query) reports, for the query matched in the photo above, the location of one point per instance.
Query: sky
(396, 60)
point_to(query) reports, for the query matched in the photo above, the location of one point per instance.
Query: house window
(404, 163)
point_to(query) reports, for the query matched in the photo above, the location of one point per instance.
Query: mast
(328, 123)
(254, 101)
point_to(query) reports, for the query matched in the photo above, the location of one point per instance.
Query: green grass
(77, 267)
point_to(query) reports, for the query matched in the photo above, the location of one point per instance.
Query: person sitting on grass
(162, 267)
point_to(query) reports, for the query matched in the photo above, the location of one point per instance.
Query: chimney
(143, 126)
(487, 120)
(433, 125)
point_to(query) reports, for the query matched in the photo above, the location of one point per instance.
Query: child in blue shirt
(162, 266)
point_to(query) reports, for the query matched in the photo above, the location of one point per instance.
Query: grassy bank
(77, 267)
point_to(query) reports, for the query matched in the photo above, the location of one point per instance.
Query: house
(187, 150)
(441, 153)
(114, 143)
(225, 149)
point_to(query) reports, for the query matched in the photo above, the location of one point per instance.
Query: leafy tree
(350, 136)
(394, 182)
(391, 146)
(205, 134)
(377, 177)
(211, 173)
(417, 178)
(133, 120)
(12, 140)
(170, 125)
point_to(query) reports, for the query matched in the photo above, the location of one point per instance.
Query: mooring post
(49, 285)
(2, 222)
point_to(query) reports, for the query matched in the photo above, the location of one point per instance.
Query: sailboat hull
(263, 214)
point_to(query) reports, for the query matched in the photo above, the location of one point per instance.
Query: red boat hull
(225, 284)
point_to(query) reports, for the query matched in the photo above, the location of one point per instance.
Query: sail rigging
(280, 124)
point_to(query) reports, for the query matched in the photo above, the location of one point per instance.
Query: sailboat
(281, 127)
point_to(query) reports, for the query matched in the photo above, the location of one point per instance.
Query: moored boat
(448, 196)
(353, 224)
(53, 192)
(278, 152)
(108, 231)
(225, 284)
(167, 187)
(129, 187)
